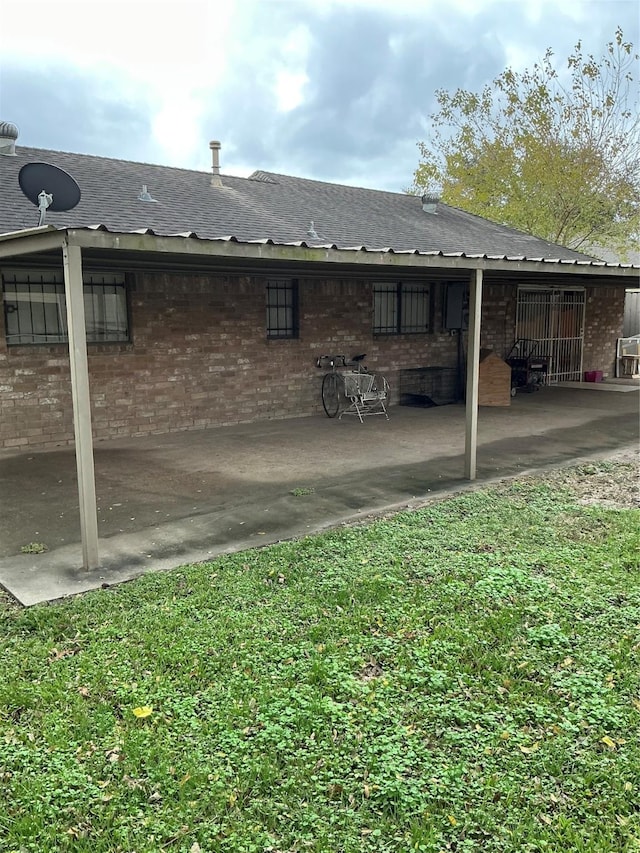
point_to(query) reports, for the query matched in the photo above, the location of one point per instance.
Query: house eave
(235, 254)
(31, 240)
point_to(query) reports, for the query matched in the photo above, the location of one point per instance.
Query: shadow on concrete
(189, 496)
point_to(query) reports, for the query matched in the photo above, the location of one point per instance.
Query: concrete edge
(88, 581)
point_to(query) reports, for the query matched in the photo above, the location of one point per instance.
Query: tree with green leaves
(555, 154)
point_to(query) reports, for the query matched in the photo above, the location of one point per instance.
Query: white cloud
(291, 78)
(290, 90)
(318, 87)
(153, 39)
(170, 53)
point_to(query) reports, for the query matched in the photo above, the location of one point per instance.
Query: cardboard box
(494, 380)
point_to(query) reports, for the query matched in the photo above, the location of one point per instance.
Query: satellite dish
(48, 187)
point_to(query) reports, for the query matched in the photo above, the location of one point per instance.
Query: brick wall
(199, 356)
(604, 317)
(498, 318)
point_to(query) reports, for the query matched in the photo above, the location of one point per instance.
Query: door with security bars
(555, 318)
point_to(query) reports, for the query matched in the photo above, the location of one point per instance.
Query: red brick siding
(604, 317)
(199, 356)
(498, 318)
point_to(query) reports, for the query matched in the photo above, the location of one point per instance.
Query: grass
(461, 678)
(34, 548)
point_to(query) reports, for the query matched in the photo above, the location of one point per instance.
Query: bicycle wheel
(331, 390)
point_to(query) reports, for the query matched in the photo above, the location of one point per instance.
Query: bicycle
(364, 392)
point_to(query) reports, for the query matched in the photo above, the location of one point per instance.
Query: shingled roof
(264, 206)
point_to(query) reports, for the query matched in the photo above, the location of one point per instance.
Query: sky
(334, 90)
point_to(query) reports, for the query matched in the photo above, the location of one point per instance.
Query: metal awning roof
(188, 249)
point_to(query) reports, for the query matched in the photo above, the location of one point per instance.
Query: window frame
(398, 294)
(277, 328)
(50, 283)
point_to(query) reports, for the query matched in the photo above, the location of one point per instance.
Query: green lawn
(465, 677)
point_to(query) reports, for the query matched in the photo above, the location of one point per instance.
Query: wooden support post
(473, 370)
(74, 294)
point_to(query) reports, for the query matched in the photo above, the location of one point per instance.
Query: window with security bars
(36, 313)
(401, 309)
(282, 308)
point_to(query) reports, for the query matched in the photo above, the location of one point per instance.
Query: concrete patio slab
(598, 386)
(186, 497)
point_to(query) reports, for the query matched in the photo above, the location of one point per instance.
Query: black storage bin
(428, 386)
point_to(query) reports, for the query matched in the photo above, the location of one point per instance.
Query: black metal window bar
(282, 308)
(400, 309)
(35, 308)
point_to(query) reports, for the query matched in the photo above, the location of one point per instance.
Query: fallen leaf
(527, 750)
(59, 654)
(143, 711)
(134, 784)
(607, 741)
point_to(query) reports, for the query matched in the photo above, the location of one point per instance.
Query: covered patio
(108, 510)
(188, 496)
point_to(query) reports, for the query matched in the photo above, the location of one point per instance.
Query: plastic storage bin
(593, 376)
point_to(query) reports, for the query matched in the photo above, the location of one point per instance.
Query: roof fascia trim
(31, 240)
(47, 238)
(269, 251)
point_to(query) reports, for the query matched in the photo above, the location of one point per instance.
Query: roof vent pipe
(145, 195)
(215, 146)
(8, 136)
(430, 202)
